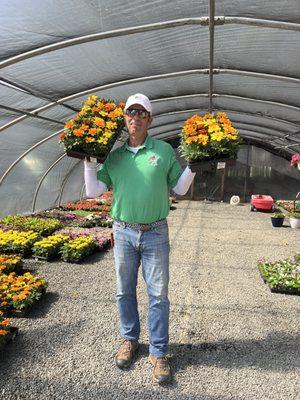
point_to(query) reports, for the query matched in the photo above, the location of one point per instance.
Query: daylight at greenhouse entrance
(149, 200)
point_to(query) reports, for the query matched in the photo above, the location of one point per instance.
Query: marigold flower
(89, 140)
(69, 124)
(100, 122)
(93, 131)
(78, 132)
(109, 107)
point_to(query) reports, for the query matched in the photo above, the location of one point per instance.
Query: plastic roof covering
(55, 53)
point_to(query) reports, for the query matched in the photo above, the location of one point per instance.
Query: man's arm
(184, 182)
(93, 187)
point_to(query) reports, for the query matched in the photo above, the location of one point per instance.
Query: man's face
(137, 125)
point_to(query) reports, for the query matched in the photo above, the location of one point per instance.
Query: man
(141, 173)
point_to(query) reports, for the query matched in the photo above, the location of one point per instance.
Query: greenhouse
(175, 124)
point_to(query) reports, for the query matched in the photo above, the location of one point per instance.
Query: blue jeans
(151, 248)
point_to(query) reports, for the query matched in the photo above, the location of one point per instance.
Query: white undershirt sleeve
(93, 187)
(184, 182)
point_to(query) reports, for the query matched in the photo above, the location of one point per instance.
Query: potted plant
(48, 248)
(19, 293)
(295, 220)
(277, 219)
(208, 138)
(94, 130)
(77, 249)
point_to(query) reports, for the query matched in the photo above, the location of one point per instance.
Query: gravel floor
(231, 338)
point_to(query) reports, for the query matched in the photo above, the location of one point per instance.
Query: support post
(211, 51)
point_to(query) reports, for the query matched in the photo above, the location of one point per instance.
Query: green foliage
(294, 215)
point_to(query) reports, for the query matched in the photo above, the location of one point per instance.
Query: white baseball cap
(141, 99)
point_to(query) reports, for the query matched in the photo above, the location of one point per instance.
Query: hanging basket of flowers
(295, 160)
(94, 130)
(210, 137)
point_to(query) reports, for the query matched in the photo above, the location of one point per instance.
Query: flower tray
(13, 331)
(210, 165)
(286, 290)
(292, 291)
(23, 313)
(46, 258)
(82, 156)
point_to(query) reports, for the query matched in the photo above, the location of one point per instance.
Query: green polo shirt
(141, 182)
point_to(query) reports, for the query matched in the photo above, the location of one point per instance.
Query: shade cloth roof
(187, 56)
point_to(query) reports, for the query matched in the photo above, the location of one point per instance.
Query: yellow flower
(218, 136)
(111, 125)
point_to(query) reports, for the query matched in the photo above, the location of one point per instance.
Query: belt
(142, 227)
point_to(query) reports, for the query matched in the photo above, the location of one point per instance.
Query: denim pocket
(161, 233)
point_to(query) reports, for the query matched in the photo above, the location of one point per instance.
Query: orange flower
(78, 132)
(93, 131)
(62, 136)
(4, 304)
(69, 124)
(84, 127)
(100, 122)
(113, 114)
(189, 130)
(5, 322)
(109, 107)
(3, 332)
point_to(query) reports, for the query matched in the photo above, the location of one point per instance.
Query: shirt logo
(153, 160)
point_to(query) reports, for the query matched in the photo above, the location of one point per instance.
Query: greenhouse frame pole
(211, 51)
(42, 179)
(66, 178)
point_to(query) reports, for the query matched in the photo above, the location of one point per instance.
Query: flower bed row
(289, 205)
(86, 205)
(19, 293)
(71, 247)
(80, 218)
(13, 241)
(42, 226)
(47, 248)
(282, 276)
(103, 203)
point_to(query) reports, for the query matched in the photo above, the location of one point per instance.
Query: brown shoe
(126, 352)
(161, 369)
